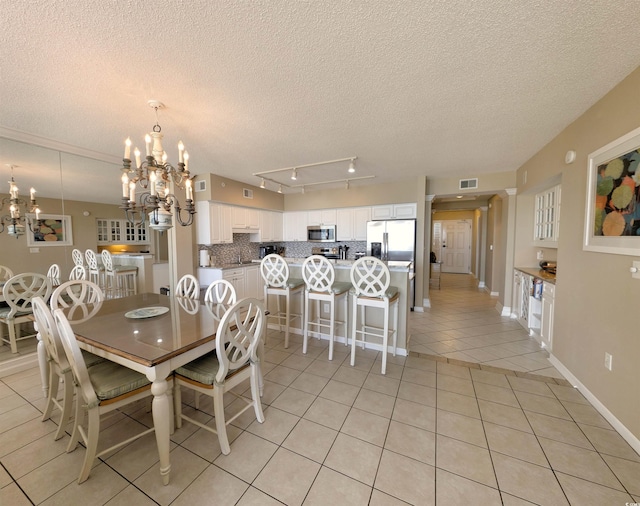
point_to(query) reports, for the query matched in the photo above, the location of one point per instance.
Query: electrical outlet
(326, 307)
(540, 255)
(608, 359)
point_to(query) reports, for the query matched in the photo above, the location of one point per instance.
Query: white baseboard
(15, 365)
(418, 309)
(426, 303)
(601, 408)
(503, 310)
(481, 284)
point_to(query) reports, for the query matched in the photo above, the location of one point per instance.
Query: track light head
(352, 167)
(280, 189)
(294, 174)
(263, 184)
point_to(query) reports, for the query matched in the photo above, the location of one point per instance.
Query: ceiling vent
(468, 184)
(247, 194)
(201, 186)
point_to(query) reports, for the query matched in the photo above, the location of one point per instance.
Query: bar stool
(275, 273)
(371, 278)
(95, 271)
(319, 277)
(120, 280)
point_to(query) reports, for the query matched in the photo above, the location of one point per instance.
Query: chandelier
(154, 175)
(16, 219)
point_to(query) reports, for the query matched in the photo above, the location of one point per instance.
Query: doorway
(452, 245)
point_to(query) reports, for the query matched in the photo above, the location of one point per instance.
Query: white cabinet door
(361, 216)
(253, 282)
(344, 225)
(219, 226)
(245, 218)
(295, 226)
(394, 211)
(236, 278)
(546, 324)
(266, 227)
(277, 226)
(321, 217)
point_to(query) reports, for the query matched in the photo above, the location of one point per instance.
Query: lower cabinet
(546, 324)
(246, 280)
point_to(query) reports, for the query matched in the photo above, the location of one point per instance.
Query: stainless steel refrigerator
(394, 241)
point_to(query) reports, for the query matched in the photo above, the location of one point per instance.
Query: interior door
(456, 246)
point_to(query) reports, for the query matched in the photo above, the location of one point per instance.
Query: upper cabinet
(321, 217)
(546, 227)
(213, 225)
(294, 226)
(245, 218)
(351, 223)
(394, 212)
(120, 231)
(270, 227)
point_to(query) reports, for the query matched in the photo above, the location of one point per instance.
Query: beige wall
(488, 184)
(596, 297)
(222, 189)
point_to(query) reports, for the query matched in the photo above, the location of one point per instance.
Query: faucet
(239, 259)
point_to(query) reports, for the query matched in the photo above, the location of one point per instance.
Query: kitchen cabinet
(546, 227)
(120, 231)
(294, 226)
(321, 217)
(270, 227)
(546, 323)
(213, 223)
(394, 211)
(245, 218)
(246, 280)
(351, 223)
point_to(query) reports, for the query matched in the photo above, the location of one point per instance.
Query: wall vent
(201, 186)
(247, 194)
(468, 184)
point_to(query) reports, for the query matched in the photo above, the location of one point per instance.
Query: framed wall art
(55, 230)
(612, 221)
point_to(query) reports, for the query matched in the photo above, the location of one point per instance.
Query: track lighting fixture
(263, 184)
(352, 167)
(303, 189)
(294, 174)
(280, 189)
(346, 185)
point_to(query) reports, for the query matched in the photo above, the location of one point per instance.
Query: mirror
(66, 184)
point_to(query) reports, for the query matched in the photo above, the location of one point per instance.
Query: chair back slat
(19, 290)
(188, 286)
(78, 272)
(48, 332)
(5, 273)
(370, 277)
(221, 291)
(274, 270)
(318, 274)
(80, 297)
(239, 334)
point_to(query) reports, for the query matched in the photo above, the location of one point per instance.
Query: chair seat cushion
(90, 359)
(341, 287)
(203, 369)
(391, 292)
(294, 283)
(112, 380)
(4, 312)
(125, 268)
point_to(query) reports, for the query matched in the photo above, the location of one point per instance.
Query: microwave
(321, 233)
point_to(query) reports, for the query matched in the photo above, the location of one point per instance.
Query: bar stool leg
(287, 321)
(385, 340)
(354, 329)
(305, 323)
(332, 322)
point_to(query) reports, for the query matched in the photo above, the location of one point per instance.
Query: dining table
(153, 334)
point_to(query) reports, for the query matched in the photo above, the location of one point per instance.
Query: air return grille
(247, 194)
(468, 184)
(201, 186)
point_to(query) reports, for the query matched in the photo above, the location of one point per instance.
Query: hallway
(463, 324)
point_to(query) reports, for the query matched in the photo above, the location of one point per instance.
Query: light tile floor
(431, 431)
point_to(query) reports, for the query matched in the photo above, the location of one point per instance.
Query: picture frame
(55, 230)
(612, 219)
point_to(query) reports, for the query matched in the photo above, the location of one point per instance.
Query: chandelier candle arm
(15, 219)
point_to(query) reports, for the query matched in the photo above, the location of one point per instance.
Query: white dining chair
(78, 272)
(100, 389)
(234, 361)
(95, 271)
(188, 286)
(54, 274)
(275, 273)
(74, 294)
(371, 280)
(221, 291)
(18, 292)
(320, 286)
(119, 280)
(5, 273)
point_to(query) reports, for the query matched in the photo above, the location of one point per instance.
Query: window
(547, 217)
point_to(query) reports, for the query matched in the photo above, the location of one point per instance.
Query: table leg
(161, 421)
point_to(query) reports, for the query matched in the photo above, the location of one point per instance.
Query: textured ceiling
(442, 88)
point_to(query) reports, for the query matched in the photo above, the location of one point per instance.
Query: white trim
(503, 310)
(19, 364)
(615, 423)
(481, 285)
(493, 294)
(418, 309)
(426, 303)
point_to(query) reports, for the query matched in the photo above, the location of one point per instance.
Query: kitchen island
(400, 278)
(144, 263)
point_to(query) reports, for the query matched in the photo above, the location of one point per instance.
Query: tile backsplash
(228, 253)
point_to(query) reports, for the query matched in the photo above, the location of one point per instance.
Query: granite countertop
(223, 267)
(538, 273)
(346, 264)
